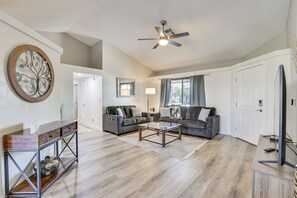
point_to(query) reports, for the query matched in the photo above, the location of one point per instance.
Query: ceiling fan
(165, 38)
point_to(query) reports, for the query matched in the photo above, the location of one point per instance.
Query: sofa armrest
(213, 125)
(157, 117)
(146, 115)
(112, 123)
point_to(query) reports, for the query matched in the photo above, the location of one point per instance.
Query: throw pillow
(120, 112)
(193, 113)
(175, 112)
(136, 112)
(204, 113)
(165, 112)
(128, 111)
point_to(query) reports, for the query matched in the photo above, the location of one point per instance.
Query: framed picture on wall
(30, 73)
(125, 87)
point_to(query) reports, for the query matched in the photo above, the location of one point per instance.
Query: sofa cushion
(136, 112)
(128, 111)
(120, 112)
(111, 110)
(129, 121)
(193, 113)
(183, 112)
(166, 119)
(140, 119)
(175, 111)
(192, 124)
(165, 112)
(204, 113)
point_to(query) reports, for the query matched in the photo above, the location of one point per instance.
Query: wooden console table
(270, 180)
(23, 141)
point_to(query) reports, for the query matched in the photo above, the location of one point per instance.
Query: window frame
(182, 89)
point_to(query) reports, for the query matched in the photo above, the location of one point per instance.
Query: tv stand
(269, 179)
(276, 162)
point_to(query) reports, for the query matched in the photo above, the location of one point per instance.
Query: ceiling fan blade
(157, 45)
(174, 43)
(179, 35)
(160, 32)
(147, 39)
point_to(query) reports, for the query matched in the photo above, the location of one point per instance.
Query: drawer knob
(50, 136)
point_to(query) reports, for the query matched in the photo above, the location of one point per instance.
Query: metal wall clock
(30, 73)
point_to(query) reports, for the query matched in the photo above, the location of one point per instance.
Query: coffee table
(162, 127)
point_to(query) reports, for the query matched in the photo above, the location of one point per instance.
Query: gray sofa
(192, 126)
(116, 124)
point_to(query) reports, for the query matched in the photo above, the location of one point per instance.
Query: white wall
(15, 113)
(75, 51)
(292, 43)
(118, 64)
(218, 92)
(277, 43)
(197, 67)
(292, 25)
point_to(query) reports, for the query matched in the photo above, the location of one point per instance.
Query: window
(180, 92)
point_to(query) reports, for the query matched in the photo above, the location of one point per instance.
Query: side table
(153, 115)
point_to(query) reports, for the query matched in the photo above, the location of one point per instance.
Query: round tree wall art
(30, 73)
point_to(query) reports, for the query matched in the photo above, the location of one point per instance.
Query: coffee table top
(160, 125)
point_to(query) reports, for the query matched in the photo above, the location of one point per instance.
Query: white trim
(81, 69)
(9, 20)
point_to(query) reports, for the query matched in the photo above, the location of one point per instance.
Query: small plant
(62, 112)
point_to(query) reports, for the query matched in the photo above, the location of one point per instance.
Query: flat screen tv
(280, 105)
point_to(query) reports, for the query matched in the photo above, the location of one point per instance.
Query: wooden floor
(109, 167)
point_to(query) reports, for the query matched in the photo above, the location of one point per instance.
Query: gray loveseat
(192, 126)
(116, 124)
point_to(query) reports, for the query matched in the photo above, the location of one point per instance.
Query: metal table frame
(163, 132)
(37, 189)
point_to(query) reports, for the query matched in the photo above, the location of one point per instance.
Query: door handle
(259, 110)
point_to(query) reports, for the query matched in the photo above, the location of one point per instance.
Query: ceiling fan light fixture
(163, 42)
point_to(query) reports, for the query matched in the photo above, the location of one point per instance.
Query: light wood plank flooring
(109, 167)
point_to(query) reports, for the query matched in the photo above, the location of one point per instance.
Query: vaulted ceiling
(220, 30)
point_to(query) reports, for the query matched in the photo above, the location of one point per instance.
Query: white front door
(250, 103)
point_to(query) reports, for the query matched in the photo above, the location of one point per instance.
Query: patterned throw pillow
(136, 112)
(176, 112)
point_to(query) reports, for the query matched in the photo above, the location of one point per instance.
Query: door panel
(82, 102)
(250, 90)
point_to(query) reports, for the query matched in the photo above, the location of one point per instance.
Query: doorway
(87, 101)
(250, 103)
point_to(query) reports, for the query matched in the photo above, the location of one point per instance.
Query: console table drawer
(49, 136)
(69, 128)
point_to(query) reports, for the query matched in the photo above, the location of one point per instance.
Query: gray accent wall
(75, 51)
(95, 59)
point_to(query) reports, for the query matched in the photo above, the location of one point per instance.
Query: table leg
(6, 169)
(179, 133)
(140, 133)
(163, 138)
(38, 175)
